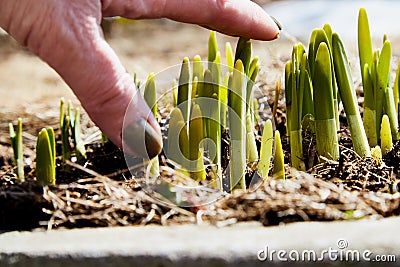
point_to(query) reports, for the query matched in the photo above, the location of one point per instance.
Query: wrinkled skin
(67, 35)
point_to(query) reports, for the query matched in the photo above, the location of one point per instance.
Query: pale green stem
(364, 41)
(369, 118)
(278, 171)
(288, 95)
(196, 135)
(382, 79)
(349, 98)
(266, 150)
(223, 98)
(45, 162)
(229, 56)
(251, 146)
(396, 88)
(391, 112)
(178, 140)
(386, 135)
(212, 49)
(150, 96)
(198, 68)
(326, 137)
(237, 118)
(80, 150)
(184, 90)
(215, 131)
(17, 145)
(243, 52)
(325, 122)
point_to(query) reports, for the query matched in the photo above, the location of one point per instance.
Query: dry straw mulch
(101, 201)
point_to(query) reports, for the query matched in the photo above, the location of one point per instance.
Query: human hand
(67, 35)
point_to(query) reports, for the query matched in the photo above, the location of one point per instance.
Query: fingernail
(276, 36)
(277, 23)
(143, 139)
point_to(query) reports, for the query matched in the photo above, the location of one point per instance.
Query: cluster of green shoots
(212, 98)
(208, 100)
(316, 83)
(71, 145)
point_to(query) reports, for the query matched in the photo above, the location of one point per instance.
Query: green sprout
(251, 68)
(215, 106)
(46, 157)
(243, 52)
(396, 88)
(178, 140)
(174, 91)
(266, 150)
(324, 35)
(184, 94)
(376, 154)
(212, 49)
(288, 95)
(278, 172)
(16, 143)
(196, 150)
(325, 121)
(104, 138)
(71, 133)
(383, 75)
(252, 153)
(80, 150)
(150, 96)
(366, 65)
(229, 56)
(65, 123)
(349, 98)
(295, 81)
(379, 97)
(386, 135)
(237, 122)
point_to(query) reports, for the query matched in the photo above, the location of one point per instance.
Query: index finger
(233, 17)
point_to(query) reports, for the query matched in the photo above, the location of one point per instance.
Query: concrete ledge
(191, 245)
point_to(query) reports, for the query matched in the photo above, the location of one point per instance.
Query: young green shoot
(276, 98)
(386, 136)
(198, 70)
(17, 145)
(349, 98)
(150, 96)
(80, 150)
(178, 140)
(184, 90)
(297, 89)
(396, 88)
(196, 150)
(266, 150)
(243, 52)
(278, 171)
(46, 157)
(212, 49)
(237, 122)
(229, 56)
(325, 122)
(288, 95)
(376, 154)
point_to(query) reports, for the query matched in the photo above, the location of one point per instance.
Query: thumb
(72, 43)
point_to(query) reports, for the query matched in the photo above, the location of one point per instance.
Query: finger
(233, 17)
(74, 46)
